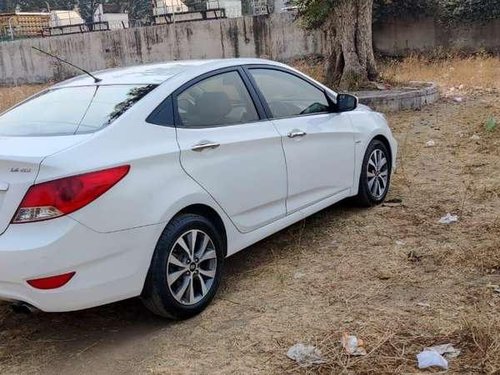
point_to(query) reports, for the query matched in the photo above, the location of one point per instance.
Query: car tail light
(57, 198)
(52, 282)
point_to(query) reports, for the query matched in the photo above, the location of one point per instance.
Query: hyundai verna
(141, 182)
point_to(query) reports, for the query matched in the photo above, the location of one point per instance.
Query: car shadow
(282, 242)
(72, 334)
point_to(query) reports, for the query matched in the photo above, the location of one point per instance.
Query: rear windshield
(71, 110)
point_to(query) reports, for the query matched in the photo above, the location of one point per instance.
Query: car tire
(184, 274)
(375, 177)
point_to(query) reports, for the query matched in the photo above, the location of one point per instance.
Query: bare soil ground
(391, 275)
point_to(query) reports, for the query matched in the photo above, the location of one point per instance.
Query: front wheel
(186, 268)
(375, 175)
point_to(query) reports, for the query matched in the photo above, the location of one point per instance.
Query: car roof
(158, 73)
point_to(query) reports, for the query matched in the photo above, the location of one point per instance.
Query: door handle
(4, 186)
(204, 145)
(296, 133)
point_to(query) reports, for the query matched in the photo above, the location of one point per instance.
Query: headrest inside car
(213, 106)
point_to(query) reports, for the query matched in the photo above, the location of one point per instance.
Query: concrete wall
(276, 37)
(245, 37)
(402, 37)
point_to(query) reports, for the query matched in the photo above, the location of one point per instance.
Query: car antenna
(96, 80)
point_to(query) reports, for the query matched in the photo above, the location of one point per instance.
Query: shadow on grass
(129, 321)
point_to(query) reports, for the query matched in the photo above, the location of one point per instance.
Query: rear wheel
(375, 175)
(186, 268)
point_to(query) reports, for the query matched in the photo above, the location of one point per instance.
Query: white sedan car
(142, 182)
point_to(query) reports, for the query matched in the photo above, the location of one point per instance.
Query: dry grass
(312, 66)
(390, 275)
(448, 268)
(479, 72)
(13, 95)
(475, 72)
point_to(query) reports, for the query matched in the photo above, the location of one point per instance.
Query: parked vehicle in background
(141, 182)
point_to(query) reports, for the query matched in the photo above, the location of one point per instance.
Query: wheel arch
(196, 209)
(386, 143)
(360, 154)
(210, 214)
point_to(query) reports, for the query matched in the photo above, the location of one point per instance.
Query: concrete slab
(413, 97)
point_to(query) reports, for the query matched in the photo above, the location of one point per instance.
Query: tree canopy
(468, 10)
(447, 11)
(37, 5)
(348, 23)
(138, 9)
(315, 12)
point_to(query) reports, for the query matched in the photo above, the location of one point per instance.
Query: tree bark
(351, 61)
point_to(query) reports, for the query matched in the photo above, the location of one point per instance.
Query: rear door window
(219, 100)
(71, 110)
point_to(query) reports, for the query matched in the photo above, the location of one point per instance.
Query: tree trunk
(351, 62)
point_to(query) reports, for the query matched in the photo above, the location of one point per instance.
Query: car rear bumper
(109, 266)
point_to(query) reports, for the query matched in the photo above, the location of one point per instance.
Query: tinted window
(163, 114)
(219, 100)
(288, 95)
(71, 110)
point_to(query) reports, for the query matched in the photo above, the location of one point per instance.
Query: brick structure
(23, 24)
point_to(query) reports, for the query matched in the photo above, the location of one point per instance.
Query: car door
(230, 148)
(318, 144)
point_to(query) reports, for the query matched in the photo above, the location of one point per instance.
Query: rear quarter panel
(155, 189)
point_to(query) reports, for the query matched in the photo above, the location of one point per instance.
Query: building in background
(281, 6)
(31, 24)
(169, 7)
(259, 7)
(59, 18)
(65, 22)
(111, 15)
(172, 11)
(23, 24)
(232, 7)
(263, 7)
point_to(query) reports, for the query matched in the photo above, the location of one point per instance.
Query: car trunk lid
(20, 159)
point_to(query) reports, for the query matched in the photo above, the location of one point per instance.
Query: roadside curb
(400, 99)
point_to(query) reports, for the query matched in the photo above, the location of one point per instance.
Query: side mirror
(346, 103)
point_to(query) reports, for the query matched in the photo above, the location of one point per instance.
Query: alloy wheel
(377, 173)
(191, 267)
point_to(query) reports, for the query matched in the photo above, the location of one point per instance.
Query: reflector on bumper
(52, 282)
